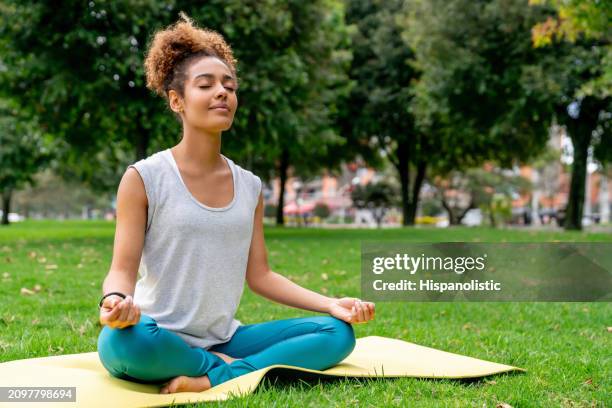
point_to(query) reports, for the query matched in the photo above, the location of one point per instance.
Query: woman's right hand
(119, 313)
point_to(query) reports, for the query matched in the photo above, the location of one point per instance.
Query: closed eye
(208, 86)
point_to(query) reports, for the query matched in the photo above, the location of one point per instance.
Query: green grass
(564, 346)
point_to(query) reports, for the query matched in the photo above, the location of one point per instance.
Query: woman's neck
(199, 150)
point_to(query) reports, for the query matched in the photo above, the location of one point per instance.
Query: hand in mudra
(352, 310)
(119, 313)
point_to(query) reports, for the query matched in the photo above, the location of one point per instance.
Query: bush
(321, 210)
(270, 210)
(430, 207)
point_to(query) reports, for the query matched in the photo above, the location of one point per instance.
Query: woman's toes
(179, 384)
(186, 384)
(172, 386)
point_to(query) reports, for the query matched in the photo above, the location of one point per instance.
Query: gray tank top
(193, 266)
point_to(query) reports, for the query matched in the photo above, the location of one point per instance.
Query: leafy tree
(24, 151)
(575, 19)
(492, 94)
(481, 188)
(377, 115)
(79, 66)
(294, 56)
(583, 98)
(52, 196)
(321, 210)
(481, 89)
(376, 197)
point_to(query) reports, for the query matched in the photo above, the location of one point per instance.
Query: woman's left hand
(352, 310)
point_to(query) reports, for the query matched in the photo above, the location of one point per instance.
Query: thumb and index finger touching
(114, 305)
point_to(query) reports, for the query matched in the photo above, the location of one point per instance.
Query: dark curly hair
(175, 47)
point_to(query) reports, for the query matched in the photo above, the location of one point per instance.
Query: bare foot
(183, 383)
(225, 357)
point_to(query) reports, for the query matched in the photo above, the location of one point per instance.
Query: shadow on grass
(283, 377)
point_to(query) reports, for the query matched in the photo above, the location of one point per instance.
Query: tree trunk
(416, 190)
(6, 205)
(403, 169)
(575, 204)
(282, 174)
(456, 219)
(469, 207)
(452, 220)
(492, 216)
(410, 199)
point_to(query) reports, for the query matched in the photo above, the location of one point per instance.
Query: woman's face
(210, 95)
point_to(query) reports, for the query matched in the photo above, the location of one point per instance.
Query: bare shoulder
(132, 187)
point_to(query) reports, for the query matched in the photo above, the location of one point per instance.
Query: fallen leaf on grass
(6, 320)
(32, 254)
(589, 381)
(26, 291)
(503, 405)
(51, 266)
(42, 259)
(609, 329)
(52, 349)
(5, 275)
(4, 345)
(324, 276)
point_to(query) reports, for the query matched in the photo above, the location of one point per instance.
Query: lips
(221, 107)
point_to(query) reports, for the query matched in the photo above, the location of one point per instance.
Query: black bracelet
(108, 294)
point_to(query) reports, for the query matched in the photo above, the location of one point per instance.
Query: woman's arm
(278, 288)
(129, 241)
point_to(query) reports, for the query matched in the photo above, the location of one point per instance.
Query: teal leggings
(146, 353)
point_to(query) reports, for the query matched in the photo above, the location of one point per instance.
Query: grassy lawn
(564, 346)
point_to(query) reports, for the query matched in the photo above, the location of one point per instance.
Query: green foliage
(431, 207)
(377, 115)
(481, 87)
(52, 196)
(79, 67)
(269, 210)
(499, 209)
(24, 148)
(377, 197)
(373, 195)
(292, 61)
(321, 210)
(576, 17)
(491, 190)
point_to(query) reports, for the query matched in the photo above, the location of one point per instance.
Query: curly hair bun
(175, 44)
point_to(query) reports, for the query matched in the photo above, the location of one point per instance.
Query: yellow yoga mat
(373, 356)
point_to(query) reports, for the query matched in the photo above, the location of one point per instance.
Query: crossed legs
(147, 353)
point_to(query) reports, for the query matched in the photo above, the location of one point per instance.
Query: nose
(220, 91)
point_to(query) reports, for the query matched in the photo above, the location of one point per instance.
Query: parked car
(13, 217)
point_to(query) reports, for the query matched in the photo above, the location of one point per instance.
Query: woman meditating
(193, 220)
